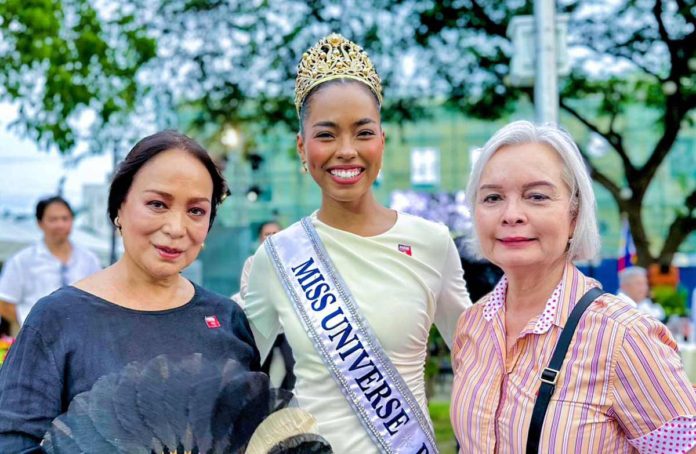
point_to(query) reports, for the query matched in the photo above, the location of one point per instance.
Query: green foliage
(631, 54)
(60, 58)
(444, 435)
(673, 300)
(236, 61)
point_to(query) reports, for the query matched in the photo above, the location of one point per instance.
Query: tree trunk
(684, 224)
(634, 209)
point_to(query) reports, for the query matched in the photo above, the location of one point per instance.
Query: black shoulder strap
(550, 374)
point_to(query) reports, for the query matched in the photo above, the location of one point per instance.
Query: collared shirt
(34, 272)
(622, 387)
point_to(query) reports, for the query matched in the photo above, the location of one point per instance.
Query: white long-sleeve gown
(400, 296)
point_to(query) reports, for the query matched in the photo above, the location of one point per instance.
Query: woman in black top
(163, 200)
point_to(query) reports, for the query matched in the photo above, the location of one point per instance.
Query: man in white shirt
(51, 263)
(635, 289)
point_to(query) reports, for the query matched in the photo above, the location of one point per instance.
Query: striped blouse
(622, 387)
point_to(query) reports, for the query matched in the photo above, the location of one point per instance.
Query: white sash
(345, 342)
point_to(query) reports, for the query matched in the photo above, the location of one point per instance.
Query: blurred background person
(51, 263)
(635, 289)
(279, 363)
(620, 386)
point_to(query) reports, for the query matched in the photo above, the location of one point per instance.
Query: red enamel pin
(212, 321)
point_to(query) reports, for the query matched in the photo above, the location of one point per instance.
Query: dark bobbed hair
(304, 108)
(264, 224)
(44, 203)
(149, 147)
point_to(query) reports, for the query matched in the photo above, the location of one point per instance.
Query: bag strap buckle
(549, 376)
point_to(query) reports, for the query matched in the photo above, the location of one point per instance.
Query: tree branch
(611, 137)
(674, 114)
(681, 227)
(620, 53)
(487, 24)
(601, 178)
(626, 49)
(677, 104)
(612, 120)
(633, 209)
(662, 30)
(690, 102)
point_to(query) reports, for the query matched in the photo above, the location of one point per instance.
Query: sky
(28, 174)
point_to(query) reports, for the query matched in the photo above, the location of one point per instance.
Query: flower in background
(5, 344)
(444, 207)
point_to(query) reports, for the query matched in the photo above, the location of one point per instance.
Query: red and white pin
(212, 321)
(405, 248)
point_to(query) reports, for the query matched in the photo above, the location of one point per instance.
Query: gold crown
(334, 57)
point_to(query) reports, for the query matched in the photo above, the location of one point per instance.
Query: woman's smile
(346, 174)
(516, 241)
(168, 253)
(343, 143)
(523, 215)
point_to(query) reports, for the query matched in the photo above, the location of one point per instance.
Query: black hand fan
(165, 406)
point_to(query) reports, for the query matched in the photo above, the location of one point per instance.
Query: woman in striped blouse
(622, 387)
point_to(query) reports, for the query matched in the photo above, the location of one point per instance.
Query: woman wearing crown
(355, 286)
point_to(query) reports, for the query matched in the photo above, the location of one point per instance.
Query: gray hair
(629, 273)
(585, 242)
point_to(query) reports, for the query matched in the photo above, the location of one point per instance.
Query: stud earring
(117, 223)
(304, 167)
